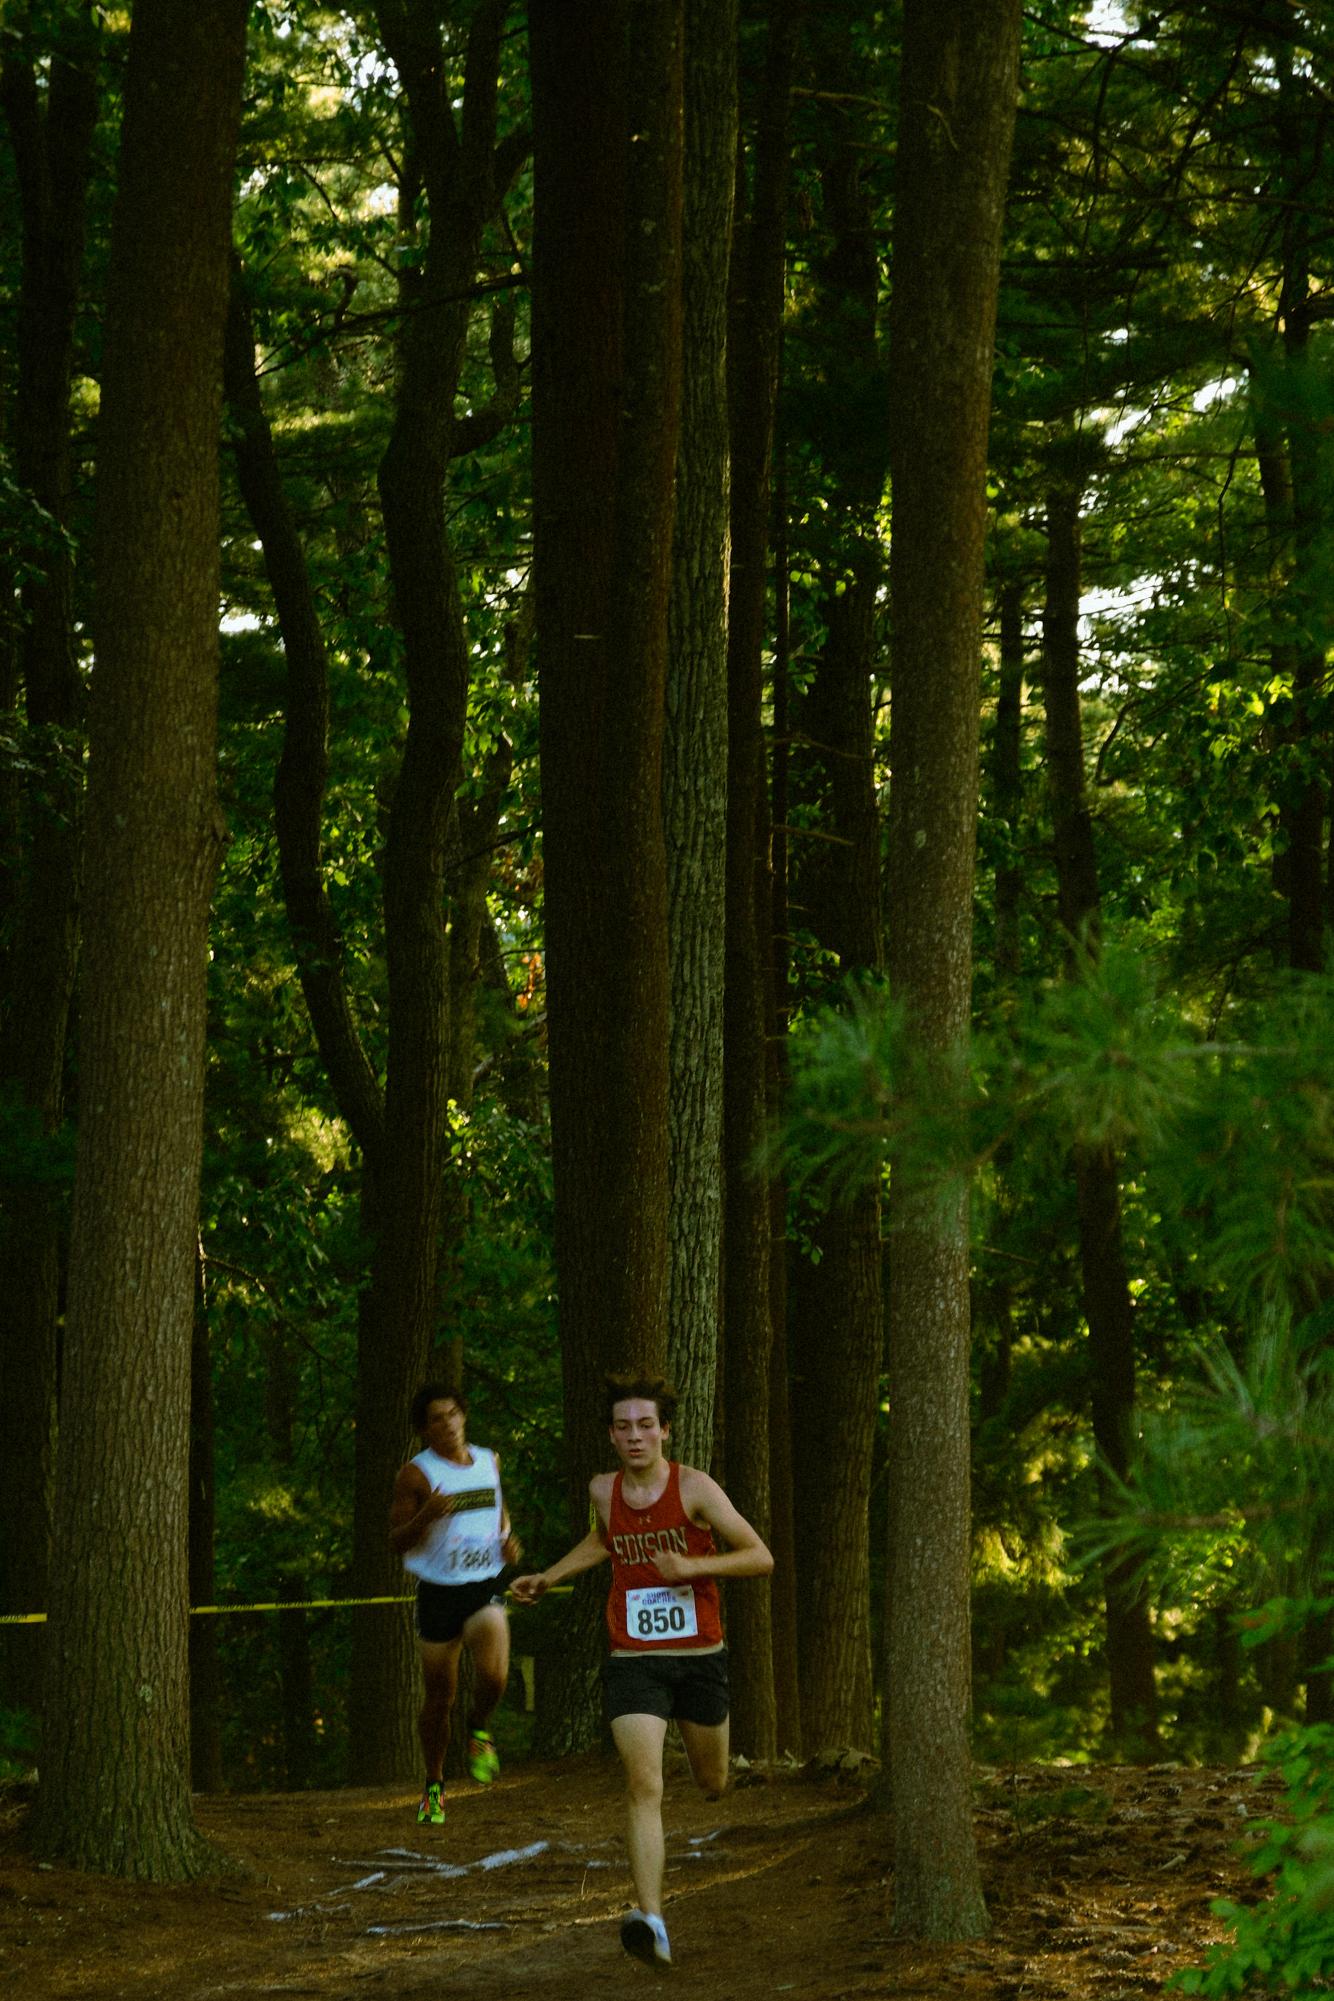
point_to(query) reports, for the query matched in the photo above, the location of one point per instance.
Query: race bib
(466, 1558)
(661, 1612)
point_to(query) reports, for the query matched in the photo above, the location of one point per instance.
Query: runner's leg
(706, 1748)
(640, 1739)
(440, 1674)
(487, 1637)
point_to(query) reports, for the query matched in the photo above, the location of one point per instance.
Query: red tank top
(643, 1611)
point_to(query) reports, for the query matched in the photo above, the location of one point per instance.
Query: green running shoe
(432, 1808)
(482, 1760)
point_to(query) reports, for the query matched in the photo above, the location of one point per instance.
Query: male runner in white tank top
(449, 1523)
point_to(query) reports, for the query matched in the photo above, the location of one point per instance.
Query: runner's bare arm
(413, 1508)
(585, 1555)
(745, 1555)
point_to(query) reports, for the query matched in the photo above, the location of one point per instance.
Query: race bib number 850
(661, 1612)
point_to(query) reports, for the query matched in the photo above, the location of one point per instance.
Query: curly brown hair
(626, 1383)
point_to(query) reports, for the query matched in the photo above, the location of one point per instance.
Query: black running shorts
(443, 1610)
(690, 1688)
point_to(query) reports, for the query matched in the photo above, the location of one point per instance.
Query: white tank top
(462, 1547)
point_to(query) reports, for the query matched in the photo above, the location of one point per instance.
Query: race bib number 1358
(661, 1612)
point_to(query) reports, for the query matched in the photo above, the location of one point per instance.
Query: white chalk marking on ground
(426, 1865)
(501, 1859)
(434, 1925)
(504, 1856)
(407, 1862)
(308, 1911)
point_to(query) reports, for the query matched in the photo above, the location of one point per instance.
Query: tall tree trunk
(1007, 792)
(1108, 1308)
(396, 1329)
(1293, 863)
(50, 133)
(839, 1324)
(1303, 511)
(606, 395)
(784, 1598)
(114, 1792)
(994, 1289)
(382, 1741)
(468, 875)
(10, 844)
(957, 101)
(756, 315)
(1303, 122)
(695, 764)
(294, 1664)
(298, 797)
(301, 776)
(404, 1134)
(205, 1675)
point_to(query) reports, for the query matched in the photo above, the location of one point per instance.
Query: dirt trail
(1099, 1883)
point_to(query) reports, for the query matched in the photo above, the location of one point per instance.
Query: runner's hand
(673, 1568)
(528, 1589)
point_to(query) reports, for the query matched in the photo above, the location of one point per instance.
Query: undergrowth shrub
(1285, 1943)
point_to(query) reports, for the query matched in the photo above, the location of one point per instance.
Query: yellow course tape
(274, 1605)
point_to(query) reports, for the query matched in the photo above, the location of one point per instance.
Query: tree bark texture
(302, 774)
(783, 1592)
(114, 1791)
(1108, 1308)
(695, 750)
(993, 1289)
(50, 134)
(838, 1324)
(294, 1662)
(1007, 786)
(1303, 126)
(1298, 863)
(607, 117)
(755, 320)
(205, 1677)
(468, 869)
(956, 114)
(299, 786)
(459, 172)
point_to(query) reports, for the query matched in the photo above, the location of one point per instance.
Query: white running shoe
(644, 1935)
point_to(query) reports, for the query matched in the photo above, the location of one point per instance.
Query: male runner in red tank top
(657, 1521)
